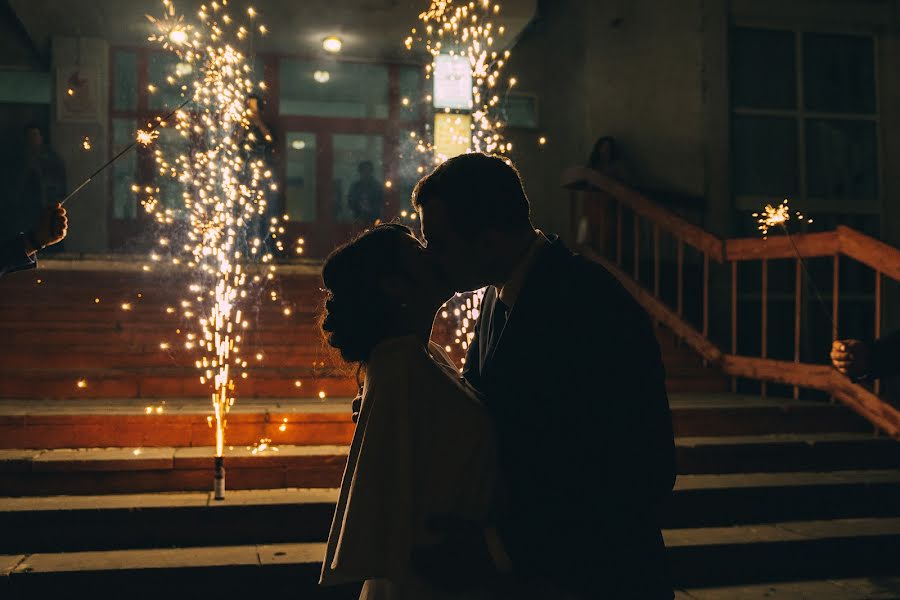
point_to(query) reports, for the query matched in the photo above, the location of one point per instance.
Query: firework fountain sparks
(464, 35)
(224, 186)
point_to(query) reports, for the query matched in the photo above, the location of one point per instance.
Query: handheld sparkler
(778, 217)
(143, 137)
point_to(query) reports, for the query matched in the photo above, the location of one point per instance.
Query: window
(804, 120)
(300, 177)
(359, 191)
(333, 89)
(521, 110)
(409, 82)
(124, 170)
(125, 92)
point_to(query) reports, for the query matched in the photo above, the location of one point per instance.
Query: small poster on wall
(78, 94)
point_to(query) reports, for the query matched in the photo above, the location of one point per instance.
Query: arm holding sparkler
(19, 253)
(859, 360)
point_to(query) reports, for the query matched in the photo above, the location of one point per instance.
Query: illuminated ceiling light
(298, 144)
(322, 76)
(178, 36)
(332, 44)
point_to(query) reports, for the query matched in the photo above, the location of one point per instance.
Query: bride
(423, 449)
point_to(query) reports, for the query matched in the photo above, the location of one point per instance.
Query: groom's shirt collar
(510, 290)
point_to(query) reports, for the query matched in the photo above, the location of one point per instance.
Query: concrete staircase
(768, 491)
(105, 488)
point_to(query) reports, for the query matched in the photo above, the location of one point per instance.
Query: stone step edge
(881, 588)
(306, 553)
(292, 496)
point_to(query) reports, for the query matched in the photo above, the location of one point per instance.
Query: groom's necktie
(498, 322)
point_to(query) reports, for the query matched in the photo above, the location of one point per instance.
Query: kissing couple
(539, 472)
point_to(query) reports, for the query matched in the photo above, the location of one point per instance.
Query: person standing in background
(42, 182)
(366, 196)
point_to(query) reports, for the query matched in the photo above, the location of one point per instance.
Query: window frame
(801, 115)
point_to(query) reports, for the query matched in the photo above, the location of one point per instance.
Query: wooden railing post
(765, 318)
(637, 247)
(877, 387)
(798, 299)
(620, 208)
(705, 294)
(734, 316)
(835, 296)
(656, 260)
(680, 260)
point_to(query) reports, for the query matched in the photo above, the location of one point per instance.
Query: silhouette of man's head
(34, 135)
(365, 169)
(475, 218)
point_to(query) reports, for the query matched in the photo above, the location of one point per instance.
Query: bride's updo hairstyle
(357, 310)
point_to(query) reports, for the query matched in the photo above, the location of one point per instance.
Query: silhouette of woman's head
(380, 285)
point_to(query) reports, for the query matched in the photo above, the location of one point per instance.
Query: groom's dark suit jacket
(576, 386)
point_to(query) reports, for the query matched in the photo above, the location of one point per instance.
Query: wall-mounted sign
(452, 82)
(78, 94)
(452, 134)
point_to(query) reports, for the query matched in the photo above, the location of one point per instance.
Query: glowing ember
(261, 446)
(81, 384)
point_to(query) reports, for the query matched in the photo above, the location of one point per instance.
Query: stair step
(181, 423)
(127, 470)
(135, 470)
(785, 452)
(724, 500)
(224, 571)
(92, 422)
(721, 556)
(106, 522)
(792, 551)
(170, 382)
(881, 588)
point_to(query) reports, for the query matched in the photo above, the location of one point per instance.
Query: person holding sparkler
(860, 360)
(571, 373)
(424, 444)
(20, 252)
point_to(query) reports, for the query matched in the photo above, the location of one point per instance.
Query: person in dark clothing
(571, 373)
(42, 181)
(875, 360)
(20, 253)
(366, 196)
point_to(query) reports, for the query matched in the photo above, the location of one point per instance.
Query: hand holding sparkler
(143, 137)
(50, 229)
(850, 357)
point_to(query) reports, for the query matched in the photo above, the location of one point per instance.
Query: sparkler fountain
(223, 199)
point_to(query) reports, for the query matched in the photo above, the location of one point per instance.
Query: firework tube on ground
(219, 481)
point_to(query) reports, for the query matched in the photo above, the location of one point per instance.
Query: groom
(571, 372)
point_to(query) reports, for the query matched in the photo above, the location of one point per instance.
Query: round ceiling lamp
(332, 44)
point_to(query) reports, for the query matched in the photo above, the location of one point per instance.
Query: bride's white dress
(423, 446)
